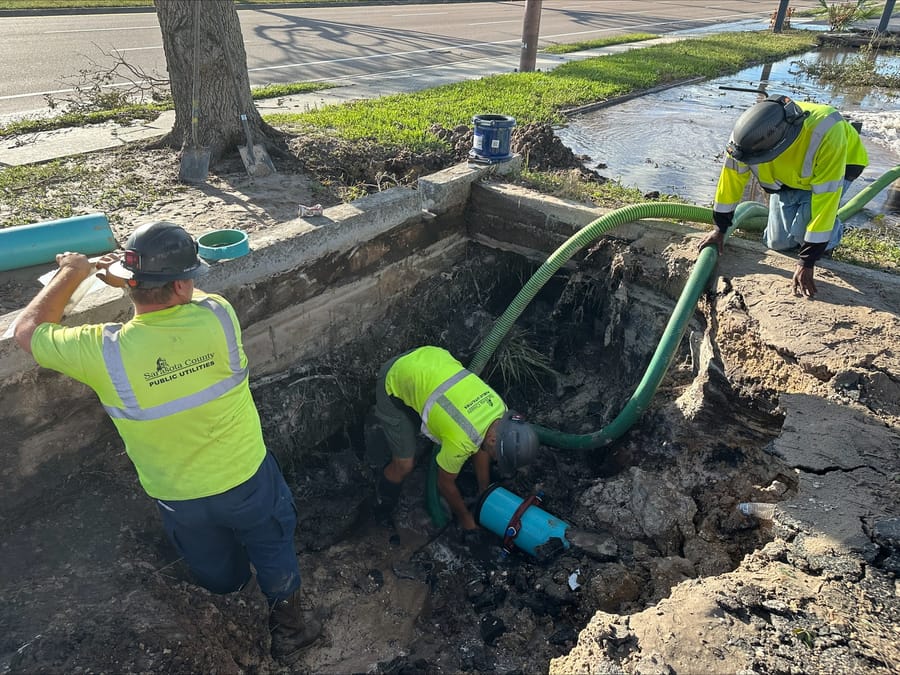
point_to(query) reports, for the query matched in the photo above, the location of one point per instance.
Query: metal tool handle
(249, 138)
(195, 76)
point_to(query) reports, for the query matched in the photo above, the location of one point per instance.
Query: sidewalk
(46, 145)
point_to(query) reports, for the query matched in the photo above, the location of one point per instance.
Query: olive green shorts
(399, 422)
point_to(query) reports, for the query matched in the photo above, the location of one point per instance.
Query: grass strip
(404, 119)
(570, 47)
(143, 111)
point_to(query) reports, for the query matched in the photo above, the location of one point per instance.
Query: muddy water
(672, 141)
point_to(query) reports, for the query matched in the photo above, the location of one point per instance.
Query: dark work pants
(219, 536)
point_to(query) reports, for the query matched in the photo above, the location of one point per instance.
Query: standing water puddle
(672, 141)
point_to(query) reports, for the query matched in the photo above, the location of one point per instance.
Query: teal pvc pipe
(748, 215)
(499, 505)
(26, 245)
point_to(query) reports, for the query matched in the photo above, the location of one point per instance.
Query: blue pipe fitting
(497, 508)
(27, 245)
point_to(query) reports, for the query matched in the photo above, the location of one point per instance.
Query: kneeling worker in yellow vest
(427, 389)
(175, 381)
(805, 156)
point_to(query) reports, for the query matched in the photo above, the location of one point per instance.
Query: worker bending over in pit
(427, 389)
(804, 155)
(174, 379)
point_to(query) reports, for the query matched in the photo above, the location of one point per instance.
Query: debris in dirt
(886, 535)
(485, 597)
(372, 581)
(309, 211)
(491, 628)
(566, 635)
(405, 569)
(477, 659)
(549, 549)
(598, 545)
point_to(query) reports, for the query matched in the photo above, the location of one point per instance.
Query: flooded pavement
(672, 141)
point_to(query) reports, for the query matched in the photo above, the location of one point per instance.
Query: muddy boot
(387, 495)
(292, 628)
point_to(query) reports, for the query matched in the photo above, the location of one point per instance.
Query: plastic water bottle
(85, 287)
(758, 510)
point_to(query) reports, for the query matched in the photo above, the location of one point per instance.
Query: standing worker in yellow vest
(175, 381)
(427, 389)
(804, 155)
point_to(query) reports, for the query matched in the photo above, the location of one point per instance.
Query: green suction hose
(757, 221)
(665, 350)
(750, 216)
(852, 207)
(585, 236)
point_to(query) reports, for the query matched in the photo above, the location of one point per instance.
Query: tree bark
(224, 82)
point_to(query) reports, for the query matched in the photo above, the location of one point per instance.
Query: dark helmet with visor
(157, 253)
(517, 442)
(766, 130)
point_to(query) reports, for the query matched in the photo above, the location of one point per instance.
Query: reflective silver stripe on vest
(771, 187)
(734, 165)
(815, 141)
(830, 186)
(718, 207)
(439, 398)
(131, 410)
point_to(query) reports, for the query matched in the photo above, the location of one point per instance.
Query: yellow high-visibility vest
(175, 383)
(456, 406)
(815, 161)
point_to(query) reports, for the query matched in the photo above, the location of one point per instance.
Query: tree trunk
(224, 84)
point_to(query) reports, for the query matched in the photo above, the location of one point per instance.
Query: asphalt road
(46, 54)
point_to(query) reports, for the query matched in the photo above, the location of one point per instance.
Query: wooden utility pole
(885, 17)
(530, 33)
(778, 24)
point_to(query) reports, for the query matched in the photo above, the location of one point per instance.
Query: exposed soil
(771, 399)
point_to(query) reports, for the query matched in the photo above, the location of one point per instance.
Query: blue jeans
(219, 536)
(789, 213)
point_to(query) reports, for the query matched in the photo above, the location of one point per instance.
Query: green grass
(570, 185)
(863, 69)
(143, 111)
(570, 47)
(124, 115)
(878, 248)
(38, 192)
(404, 119)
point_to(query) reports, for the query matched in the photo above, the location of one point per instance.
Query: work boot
(387, 495)
(292, 627)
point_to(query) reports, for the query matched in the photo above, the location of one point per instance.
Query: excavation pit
(91, 583)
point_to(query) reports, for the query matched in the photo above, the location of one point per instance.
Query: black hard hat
(157, 253)
(517, 442)
(766, 130)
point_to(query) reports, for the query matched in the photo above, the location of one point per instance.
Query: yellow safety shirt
(816, 161)
(175, 383)
(456, 406)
